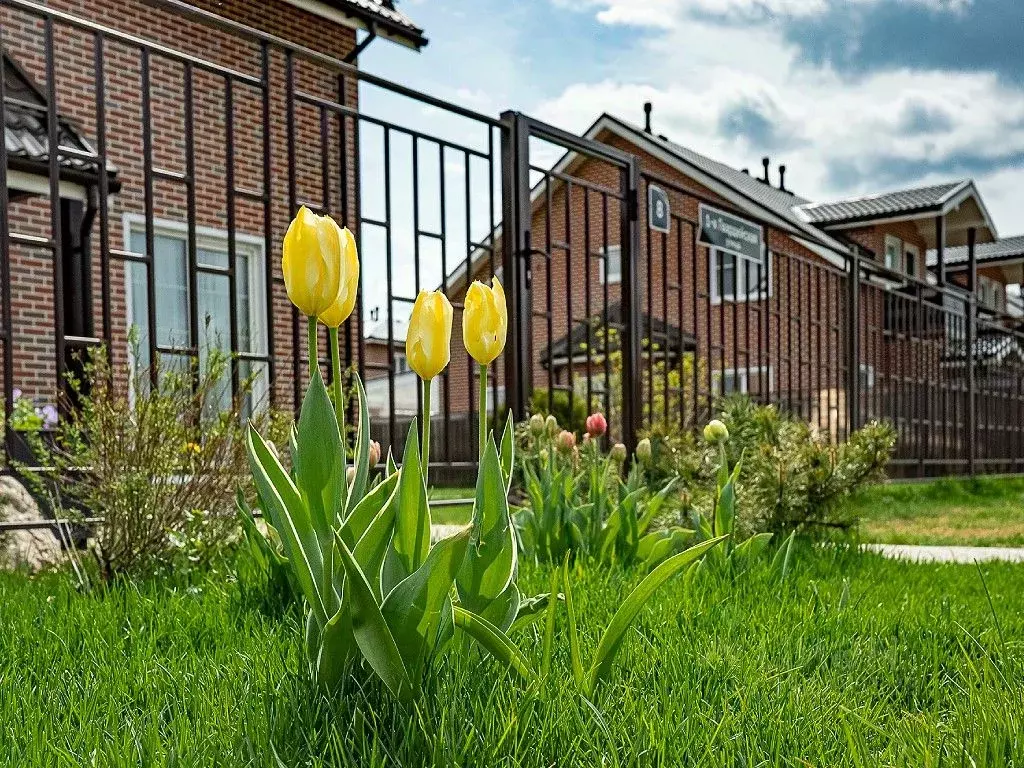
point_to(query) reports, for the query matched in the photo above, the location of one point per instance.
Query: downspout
(351, 56)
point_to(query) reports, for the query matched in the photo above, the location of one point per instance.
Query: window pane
(210, 257)
(215, 333)
(170, 273)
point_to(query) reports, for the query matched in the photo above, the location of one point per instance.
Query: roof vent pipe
(648, 107)
(782, 178)
(765, 162)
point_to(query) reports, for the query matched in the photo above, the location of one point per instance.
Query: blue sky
(855, 96)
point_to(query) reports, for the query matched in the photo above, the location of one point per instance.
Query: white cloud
(669, 14)
(840, 132)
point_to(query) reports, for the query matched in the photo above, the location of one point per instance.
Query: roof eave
(383, 27)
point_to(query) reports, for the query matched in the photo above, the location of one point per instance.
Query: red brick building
(173, 100)
(776, 323)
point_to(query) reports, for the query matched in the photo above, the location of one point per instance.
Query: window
(912, 256)
(752, 381)
(894, 253)
(173, 302)
(990, 293)
(738, 278)
(401, 364)
(611, 264)
(867, 377)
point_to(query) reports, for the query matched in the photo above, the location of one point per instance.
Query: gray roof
(903, 201)
(25, 129)
(1004, 249)
(782, 203)
(385, 13)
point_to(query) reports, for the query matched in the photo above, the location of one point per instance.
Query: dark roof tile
(873, 206)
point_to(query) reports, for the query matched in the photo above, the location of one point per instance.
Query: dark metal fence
(181, 158)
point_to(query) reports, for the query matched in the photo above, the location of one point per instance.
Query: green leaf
(495, 642)
(613, 636)
(362, 454)
(508, 450)
(654, 506)
(368, 508)
(725, 509)
(320, 459)
(285, 504)
(574, 639)
(780, 563)
(413, 609)
(412, 513)
(371, 632)
(490, 563)
(549, 629)
(753, 547)
(263, 550)
(337, 647)
(504, 608)
(373, 547)
(390, 465)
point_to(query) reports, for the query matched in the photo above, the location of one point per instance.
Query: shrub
(793, 479)
(557, 404)
(159, 463)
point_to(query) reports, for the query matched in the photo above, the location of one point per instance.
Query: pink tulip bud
(374, 453)
(597, 424)
(565, 441)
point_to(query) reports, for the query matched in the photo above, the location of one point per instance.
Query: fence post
(630, 334)
(516, 214)
(853, 345)
(970, 307)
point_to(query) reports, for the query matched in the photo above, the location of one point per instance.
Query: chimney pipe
(648, 107)
(746, 171)
(782, 178)
(765, 162)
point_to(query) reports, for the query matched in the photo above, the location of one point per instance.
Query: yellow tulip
(339, 311)
(485, 321)
(428, 342)
(311, 262)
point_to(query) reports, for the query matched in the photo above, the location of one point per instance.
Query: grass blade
(495, 642)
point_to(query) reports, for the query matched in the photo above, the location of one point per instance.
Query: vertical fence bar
(268, 220)
(853, 342)
(630, 336)
(103, 186)
(514, 243)
(5, 274)
(969, 354)
(229, 151)
(190, 203)
(289, 108)
(57, 252)
(147, 172)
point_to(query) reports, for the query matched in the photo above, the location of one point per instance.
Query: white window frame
(742, 375)
(899, 255)
(746, 295)
(868, 373)
(400, 363)
(608, 277)
(210, 238)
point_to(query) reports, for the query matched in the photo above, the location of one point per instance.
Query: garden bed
(854, 660)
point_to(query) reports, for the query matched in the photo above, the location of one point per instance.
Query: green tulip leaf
(504, 608)
(753, 547)
(413, 609)
(337, 647)
(614, 635)
(284, 503)
(368, 508)
(372, 634)
(320, 459)
(508, 451)
(574, 639)
(495, 642)
(375, 544)
(490, 563)
(412, 512)
(362, 454)
(780, 563)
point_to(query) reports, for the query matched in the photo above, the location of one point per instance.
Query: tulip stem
(339, 399)
(314, 362)
(483, 410)
(425, 446)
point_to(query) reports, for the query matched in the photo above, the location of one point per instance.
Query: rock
(33, 549)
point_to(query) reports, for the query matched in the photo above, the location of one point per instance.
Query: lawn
(986, 511)
(453, 514)
(852, 661)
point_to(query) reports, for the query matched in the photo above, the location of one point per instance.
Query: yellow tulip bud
(485, 321)
(342, 307)
(311, 262)
(429, 339)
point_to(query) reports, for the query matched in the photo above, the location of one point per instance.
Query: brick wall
(32, 294)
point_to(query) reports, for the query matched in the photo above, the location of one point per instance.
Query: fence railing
(181, 156)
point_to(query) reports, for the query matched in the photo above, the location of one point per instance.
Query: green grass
(853, 661)
(983, 512)
(453, 514)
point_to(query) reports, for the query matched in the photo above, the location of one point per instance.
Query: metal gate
(570, 265)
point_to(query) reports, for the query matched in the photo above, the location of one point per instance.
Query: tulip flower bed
(852, 661)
